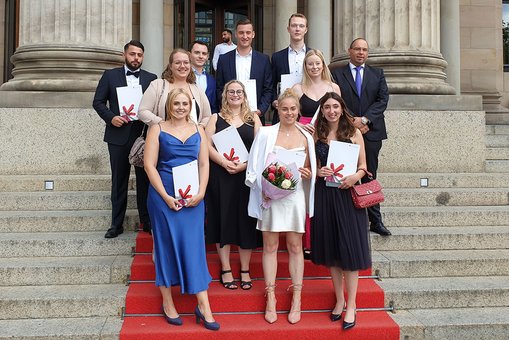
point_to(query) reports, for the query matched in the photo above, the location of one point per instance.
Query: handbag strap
(160, 97)
(370, 175)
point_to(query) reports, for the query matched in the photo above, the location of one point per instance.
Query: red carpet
(317, 301)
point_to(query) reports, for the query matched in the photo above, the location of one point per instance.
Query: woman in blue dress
(178, 228)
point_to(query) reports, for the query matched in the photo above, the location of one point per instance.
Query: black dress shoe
(380, 229)
(113, 232)
(348, 325)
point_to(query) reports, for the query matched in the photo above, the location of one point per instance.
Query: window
(505, 33)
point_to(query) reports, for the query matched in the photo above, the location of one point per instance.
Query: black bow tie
(136, 74)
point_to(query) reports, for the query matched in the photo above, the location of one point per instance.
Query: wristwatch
(364, 121)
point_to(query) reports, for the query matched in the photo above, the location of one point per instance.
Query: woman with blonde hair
(227, 197)
(177, 74)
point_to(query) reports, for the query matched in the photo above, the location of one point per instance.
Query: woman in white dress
(287, 214)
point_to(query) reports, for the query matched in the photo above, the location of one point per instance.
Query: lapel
(231, 63)
(253, 64)
(121, 80)
(286, 65)
(271, 140)
(347, 74)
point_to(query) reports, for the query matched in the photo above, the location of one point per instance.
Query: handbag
(138, 148)
(368, 194)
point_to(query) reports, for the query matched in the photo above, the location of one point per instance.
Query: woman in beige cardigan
(178, 74)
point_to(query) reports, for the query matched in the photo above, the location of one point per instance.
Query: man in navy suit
(199, 56)
(365, 92)
(290, 59)
(244, 63)
(121, 133)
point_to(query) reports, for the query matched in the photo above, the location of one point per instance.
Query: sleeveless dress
(288, 213)
(179, 242)
(339, 231)
(308, 107)
(227, 199)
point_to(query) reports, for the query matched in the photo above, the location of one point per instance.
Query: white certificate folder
(186, 180)
(129, 99)
(229, 145)
(344, 158)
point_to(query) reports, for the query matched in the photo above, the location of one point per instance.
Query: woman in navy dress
(179, 244)
(339, 231)
(227, 197)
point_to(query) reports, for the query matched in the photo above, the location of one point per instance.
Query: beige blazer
(152, 105)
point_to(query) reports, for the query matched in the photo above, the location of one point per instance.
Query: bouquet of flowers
(278, 181)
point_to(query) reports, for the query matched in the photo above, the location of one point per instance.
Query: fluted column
(65, 45)
(151, 34)
(319, 23)
(403, 38)
(283, 10)
(450, 41)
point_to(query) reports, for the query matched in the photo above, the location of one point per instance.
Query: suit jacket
(373, 100)
(260, 70)
(280, 66)
(211, 93)
(106, 103)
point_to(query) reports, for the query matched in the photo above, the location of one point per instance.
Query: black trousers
(372, 150)
(120, 171)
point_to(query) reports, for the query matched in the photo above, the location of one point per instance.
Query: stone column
(151, 34)
(283, 10)
(319, 14)
(450, 41)
(403, 38)
(66, 45)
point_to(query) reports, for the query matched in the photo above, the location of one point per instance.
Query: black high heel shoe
(335, 317)
(172, 321)
(213, 326)
(348, 325)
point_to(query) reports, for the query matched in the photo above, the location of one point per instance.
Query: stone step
(60, 182)
(486, 323)
(497, 129)
(444, 180)
(470, 262)
(446, 292)
(70, 301)
(104, 328)
(495, 166)
(442, 238)
(445, 216)
(61, 200)
(64, 244)
(497, 153)
(446, 196)
(59, 221)
(30, 271)
(497, 141)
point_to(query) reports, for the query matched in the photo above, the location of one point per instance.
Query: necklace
(287, 133)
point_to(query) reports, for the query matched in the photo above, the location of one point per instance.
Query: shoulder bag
(368, 194)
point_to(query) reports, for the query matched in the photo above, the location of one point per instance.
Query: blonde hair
(306, 78)
(245, 113)
(171, 99)
(290, 94)
(168, 73)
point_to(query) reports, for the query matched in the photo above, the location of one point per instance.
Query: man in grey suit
(365, 92)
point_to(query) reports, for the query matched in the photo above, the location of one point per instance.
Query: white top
(296, 60)
(243, 65)
(221, 48)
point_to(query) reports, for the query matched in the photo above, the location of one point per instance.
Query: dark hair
(356, 39)
(134, 43)
(227, 30)
(199, 42)
(297, 15)
(245, 21)
(346, 129)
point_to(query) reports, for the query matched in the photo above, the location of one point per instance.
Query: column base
(28, 99)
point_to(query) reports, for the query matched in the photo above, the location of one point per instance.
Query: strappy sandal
(245, 285)
(228, 285)
(297, 287)
(270, 315)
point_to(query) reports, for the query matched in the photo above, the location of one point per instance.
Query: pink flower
(272, 169)
(288, 175)
(281, 170)
(271, 177)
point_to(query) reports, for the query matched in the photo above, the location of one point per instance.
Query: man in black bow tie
(120, 134)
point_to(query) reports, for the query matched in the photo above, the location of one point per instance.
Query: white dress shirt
(132, 81)
(243, 65)
(201, 79)
(296, 60)
(221, 49)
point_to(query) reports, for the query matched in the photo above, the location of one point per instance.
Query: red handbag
(368, 194)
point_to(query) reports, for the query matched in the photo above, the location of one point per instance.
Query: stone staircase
(445, 269)
(497, 148)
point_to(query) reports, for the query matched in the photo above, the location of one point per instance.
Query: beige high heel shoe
(294, 314)
(270, 312)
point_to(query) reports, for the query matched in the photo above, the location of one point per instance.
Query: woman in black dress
(339, 231)
(227, 196)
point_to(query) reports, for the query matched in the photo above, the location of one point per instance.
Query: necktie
(136, 74)
(358, 80)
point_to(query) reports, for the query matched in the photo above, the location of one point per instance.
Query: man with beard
(121, 133)
(226, 46)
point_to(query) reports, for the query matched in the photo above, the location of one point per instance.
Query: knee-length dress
(179, 240)
(288, 213)
(227, 199)
(339, 231)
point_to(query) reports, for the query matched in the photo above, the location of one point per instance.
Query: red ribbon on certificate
(185, 194)
(337, 170)
(231, 156)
